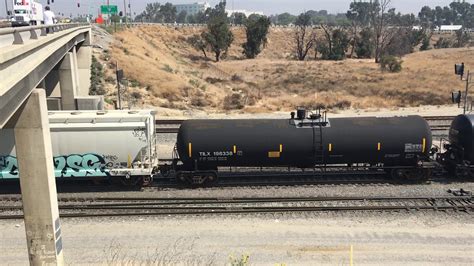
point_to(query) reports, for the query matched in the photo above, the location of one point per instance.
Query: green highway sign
(108, 10)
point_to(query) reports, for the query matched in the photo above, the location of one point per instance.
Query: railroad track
(111, 207)
(171, 126)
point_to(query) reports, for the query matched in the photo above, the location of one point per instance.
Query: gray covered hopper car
(94, 144)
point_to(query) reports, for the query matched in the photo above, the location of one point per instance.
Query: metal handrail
(45, 30)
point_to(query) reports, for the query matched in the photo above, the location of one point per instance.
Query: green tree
(365, 45)
(462, 38)
(359, 17)
(198, 43)
(425, 44)
(256, 28)
(335, 44)
(150, 14)
(168, 12)
(304, 36)
(405, 42)
(285, 19)
(218, 35)
(181, 18)
(238, 18)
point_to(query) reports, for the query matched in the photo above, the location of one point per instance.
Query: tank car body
(304, 142)
(93, 144)
(458, 158)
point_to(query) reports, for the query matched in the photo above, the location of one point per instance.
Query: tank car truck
(116, 145)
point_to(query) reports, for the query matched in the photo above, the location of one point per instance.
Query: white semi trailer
(27, 12)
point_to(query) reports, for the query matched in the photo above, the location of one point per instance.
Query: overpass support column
(68, 82)
(37, 181)
(84, 62)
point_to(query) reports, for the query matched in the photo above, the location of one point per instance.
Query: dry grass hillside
(167, 72)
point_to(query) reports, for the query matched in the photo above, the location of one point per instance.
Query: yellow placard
(273, 154)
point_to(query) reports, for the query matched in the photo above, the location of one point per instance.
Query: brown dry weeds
(171, 74)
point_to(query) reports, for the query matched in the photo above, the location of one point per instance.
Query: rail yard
(191, 134)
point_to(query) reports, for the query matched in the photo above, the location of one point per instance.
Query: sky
(267, 6)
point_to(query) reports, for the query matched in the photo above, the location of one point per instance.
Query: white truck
(26, 12)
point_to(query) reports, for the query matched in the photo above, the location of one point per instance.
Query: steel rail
(430, 203)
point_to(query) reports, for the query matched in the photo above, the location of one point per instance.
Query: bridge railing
(44, 30)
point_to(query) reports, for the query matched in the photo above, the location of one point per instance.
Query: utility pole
(108, 11)
(130, 9)
(468, 77)
(119, 75)
(125, 10)
(6, 8)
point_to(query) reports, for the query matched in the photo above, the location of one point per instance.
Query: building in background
(192, 9)
(247, 13)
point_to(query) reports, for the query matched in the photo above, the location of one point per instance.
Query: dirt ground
(377, 239)
(166, 72)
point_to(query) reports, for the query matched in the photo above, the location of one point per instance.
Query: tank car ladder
(318, 149)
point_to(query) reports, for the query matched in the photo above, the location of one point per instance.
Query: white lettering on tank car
(409, 147)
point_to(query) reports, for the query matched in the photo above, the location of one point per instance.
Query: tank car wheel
(462, 172)
(212, 179)
(410, 175)
(399, 174)
(181, 179)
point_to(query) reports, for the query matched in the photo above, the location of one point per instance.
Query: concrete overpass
(36, 62)
(30, 58)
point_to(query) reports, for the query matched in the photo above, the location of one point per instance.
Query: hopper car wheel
(131, 181)
(165, 172)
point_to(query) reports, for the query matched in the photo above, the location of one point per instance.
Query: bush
(97, 75)
(233, 101)
(425, 45)
(391, 63)
(443, 43)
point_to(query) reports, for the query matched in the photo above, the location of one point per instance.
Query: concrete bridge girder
(32, 68)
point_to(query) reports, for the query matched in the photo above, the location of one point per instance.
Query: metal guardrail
(45, 30)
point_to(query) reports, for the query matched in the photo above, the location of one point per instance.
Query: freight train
(399, 146)
(121, 145)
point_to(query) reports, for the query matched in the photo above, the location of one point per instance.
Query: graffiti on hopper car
(74, 165)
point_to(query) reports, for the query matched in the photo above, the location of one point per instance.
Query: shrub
(136, 95)
(236, 78)
(391, 63)
(443, 43)
(97, 75)
(167, 68)
(425, 45)
(233, 101)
